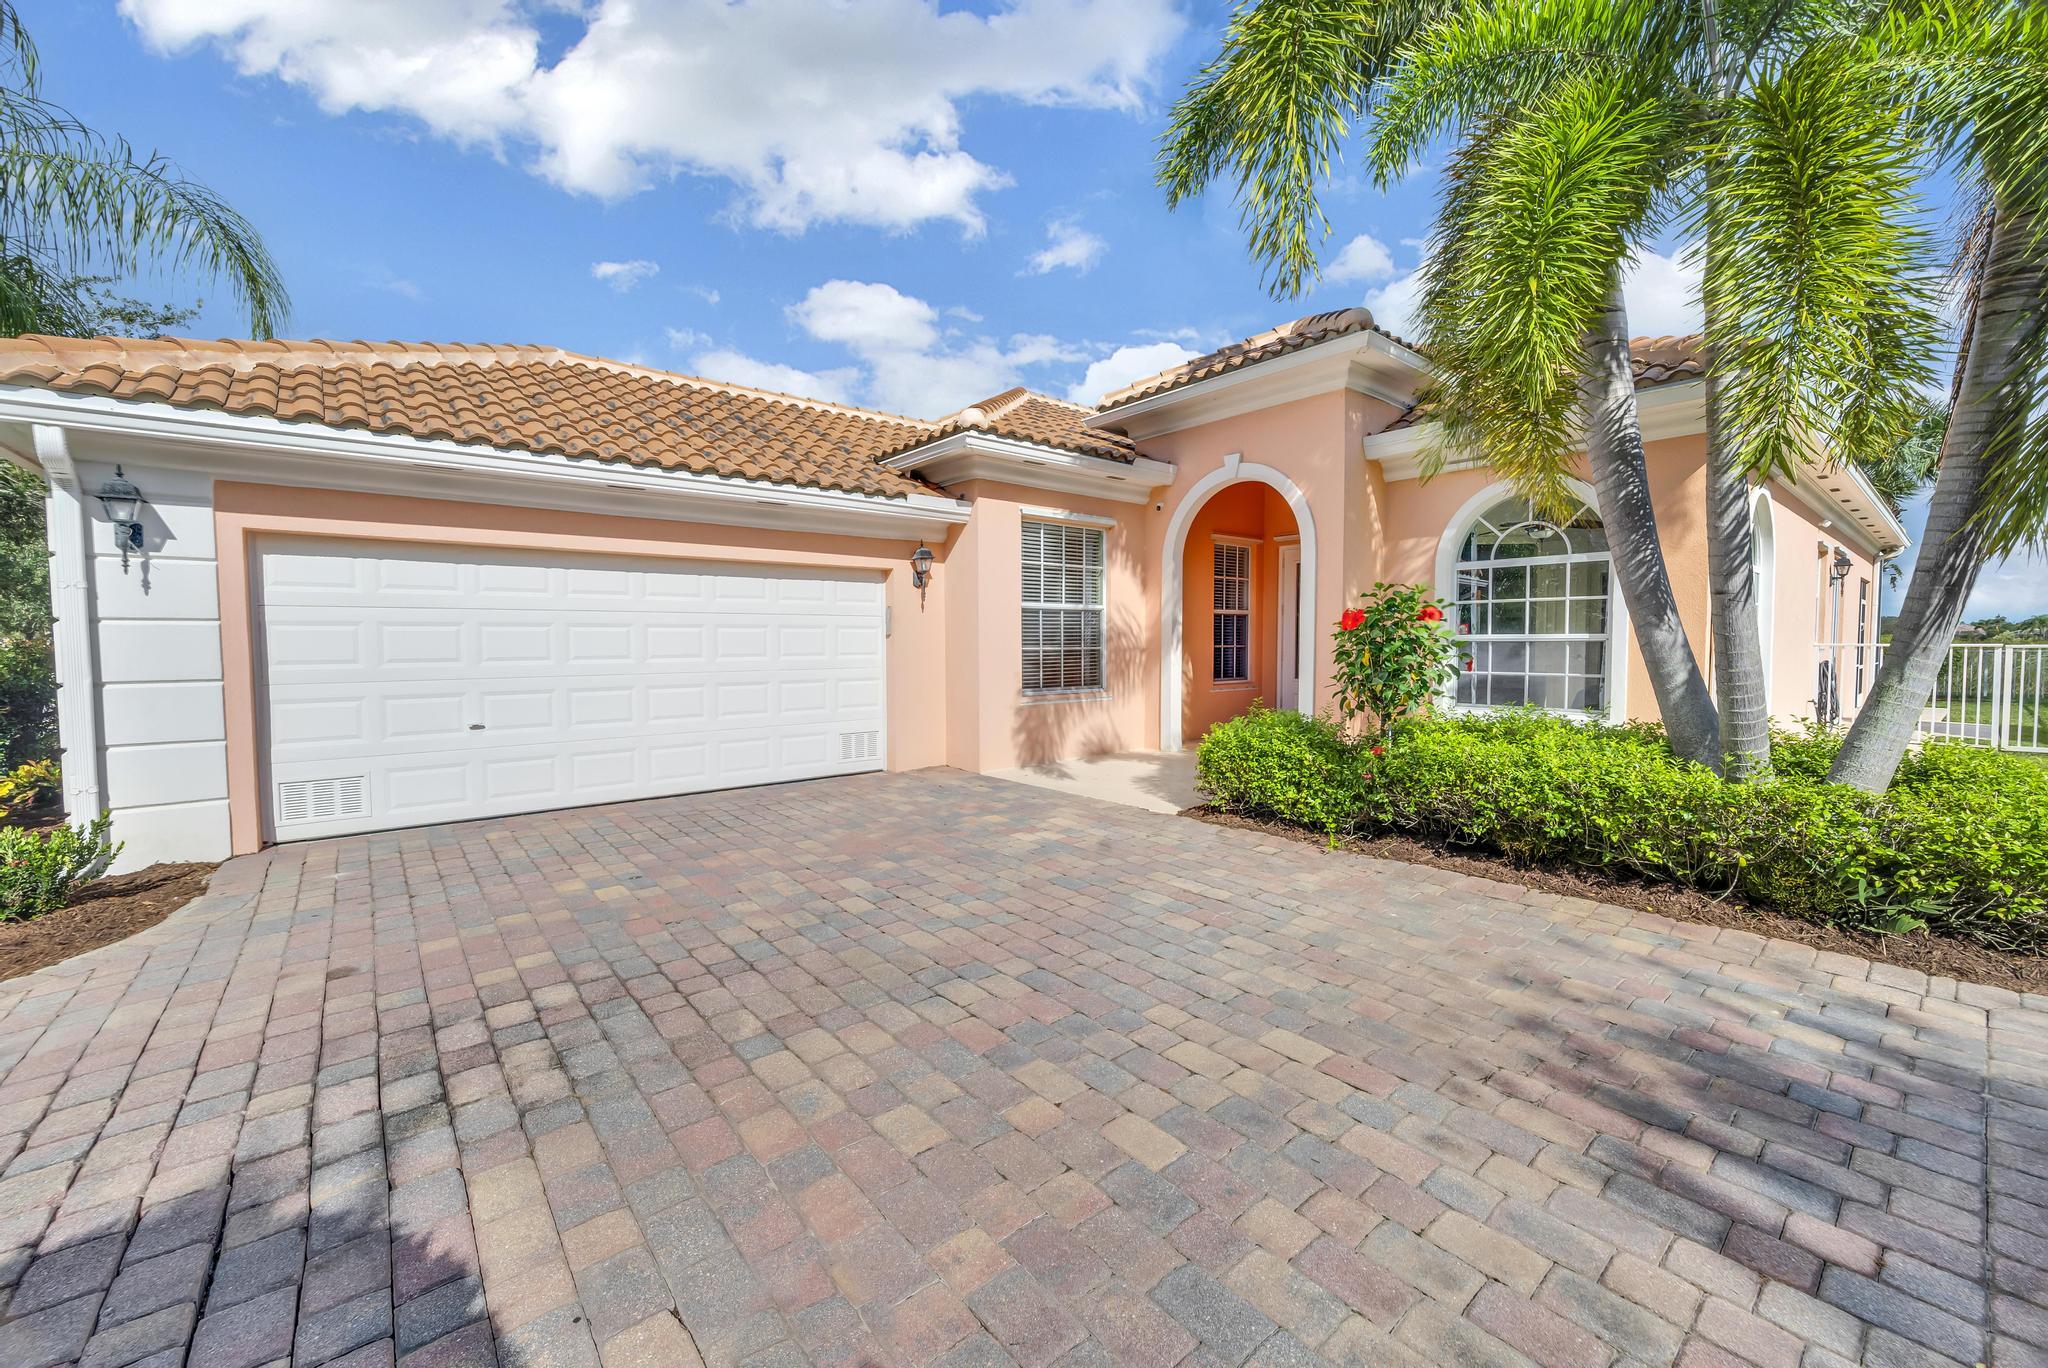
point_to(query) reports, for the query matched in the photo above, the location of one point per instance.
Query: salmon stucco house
(309, 588)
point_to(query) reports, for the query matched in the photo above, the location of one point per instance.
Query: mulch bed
(100, 913)
(1929, 954)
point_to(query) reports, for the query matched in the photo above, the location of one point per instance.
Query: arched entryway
(1257, 576)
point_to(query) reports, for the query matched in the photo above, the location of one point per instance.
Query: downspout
(69, 524)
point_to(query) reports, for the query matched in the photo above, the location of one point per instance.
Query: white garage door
(409, 685)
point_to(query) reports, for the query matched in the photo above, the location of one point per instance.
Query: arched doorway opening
(1238, 608)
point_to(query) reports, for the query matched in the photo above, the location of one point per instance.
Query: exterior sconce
(920, 569)
(123, 503)
(1838, 569)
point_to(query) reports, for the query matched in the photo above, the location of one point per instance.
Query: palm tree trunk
(1739, 692)
(1988, 419)
(1621, 482)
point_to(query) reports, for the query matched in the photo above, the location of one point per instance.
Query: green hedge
(1960, 843)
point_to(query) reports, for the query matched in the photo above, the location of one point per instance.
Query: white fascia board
(1676, 409)
(261, 449)
(1848, 506)
(1008, 460)
(1840, 494)
(1369, 362)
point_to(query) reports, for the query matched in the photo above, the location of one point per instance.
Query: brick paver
(931, 1068)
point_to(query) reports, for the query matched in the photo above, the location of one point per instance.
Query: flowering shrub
(1393, 654)
(38, 869)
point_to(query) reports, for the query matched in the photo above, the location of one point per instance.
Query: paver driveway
(907, 1068)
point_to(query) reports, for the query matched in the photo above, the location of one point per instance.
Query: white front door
(405, 685)
(1288, 662)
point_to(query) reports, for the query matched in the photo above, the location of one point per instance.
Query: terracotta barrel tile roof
(1287, 337)
(1655, 361)
(1028, 416)
(515, 398)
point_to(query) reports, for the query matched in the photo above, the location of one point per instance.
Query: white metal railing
(1993, 695)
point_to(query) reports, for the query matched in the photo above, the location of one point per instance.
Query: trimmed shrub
(38, 869)
(1286, 766)
(1960, 843)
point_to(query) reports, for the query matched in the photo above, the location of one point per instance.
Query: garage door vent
(860, 745)
(322, 800)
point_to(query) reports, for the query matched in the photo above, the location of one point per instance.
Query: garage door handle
(476, 726)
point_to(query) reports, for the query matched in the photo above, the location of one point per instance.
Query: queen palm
(1582, 131)
(73, 201)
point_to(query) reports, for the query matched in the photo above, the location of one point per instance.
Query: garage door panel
(408, 685)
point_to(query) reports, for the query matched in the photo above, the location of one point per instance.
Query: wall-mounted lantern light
(123, 503)
(920, 568)
(1839, 569)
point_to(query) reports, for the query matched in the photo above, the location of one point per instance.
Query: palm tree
(1974, 81)
(1586, 128)
(72, 200)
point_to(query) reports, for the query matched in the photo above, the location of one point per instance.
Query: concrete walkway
(1156, 781)
(936, 1068)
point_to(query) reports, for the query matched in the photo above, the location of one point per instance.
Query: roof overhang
(270, 450)
(1367, 362)
(973, 455)
(1840, 495)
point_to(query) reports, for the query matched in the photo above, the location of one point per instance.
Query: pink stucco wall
(1803, 611)
(992, 724)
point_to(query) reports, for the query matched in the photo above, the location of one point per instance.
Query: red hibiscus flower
(1353, 619)
(1379, 750)
(1431, 613)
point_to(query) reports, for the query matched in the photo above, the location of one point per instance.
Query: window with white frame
(1062, 607)
(1230, 659)
(1532, 612)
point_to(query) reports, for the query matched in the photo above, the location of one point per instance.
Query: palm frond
(1273, 110)
(1541, 208)
(1822, 314)
(84, 200)
(1482, 58)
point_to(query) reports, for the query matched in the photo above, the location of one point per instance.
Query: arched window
(1533, 609)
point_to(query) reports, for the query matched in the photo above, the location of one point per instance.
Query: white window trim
(1064, 694)
(1032, 513)
(1620, 636)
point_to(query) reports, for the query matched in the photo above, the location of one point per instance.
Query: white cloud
(833, 386)
(624, 276)
(868, 318)
(1365, 257)
(1068, 247)
(382, 277)
(914, 366)
(1397, 305)
(814, 111)
(2014, 588)
(1124, 365)
(904, 358)
(704, 292)
(686, 339)
(1662, 293)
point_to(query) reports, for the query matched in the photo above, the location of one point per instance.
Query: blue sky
(885, 202)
